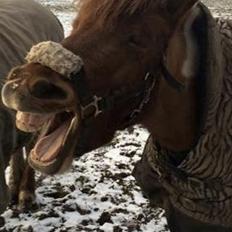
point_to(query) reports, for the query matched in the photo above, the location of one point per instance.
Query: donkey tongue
(48, 147)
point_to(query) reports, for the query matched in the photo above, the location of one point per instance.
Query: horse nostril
(46, 90)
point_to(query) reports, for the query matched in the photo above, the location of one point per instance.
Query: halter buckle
(92, 108)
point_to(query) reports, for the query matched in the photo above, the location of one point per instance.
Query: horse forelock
(109, 11)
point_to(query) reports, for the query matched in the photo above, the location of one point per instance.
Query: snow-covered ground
(98, 193)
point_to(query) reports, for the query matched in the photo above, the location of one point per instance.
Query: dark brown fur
(21, 179)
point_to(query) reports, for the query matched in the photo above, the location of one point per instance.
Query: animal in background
(23, 23)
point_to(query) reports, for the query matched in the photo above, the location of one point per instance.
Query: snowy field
(98, 193)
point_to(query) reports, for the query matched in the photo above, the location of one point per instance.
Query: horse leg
(17, 166)
(26, 198)
(22, 182)
(3, 187)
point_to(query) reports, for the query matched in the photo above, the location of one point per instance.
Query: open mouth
(53, 133)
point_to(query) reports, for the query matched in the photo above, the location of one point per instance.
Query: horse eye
(133, 41)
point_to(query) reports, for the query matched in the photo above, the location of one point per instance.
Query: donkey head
(120, 46)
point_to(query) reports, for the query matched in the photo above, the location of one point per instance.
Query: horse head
(107, 75)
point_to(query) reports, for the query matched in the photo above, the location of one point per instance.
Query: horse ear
(177, 8)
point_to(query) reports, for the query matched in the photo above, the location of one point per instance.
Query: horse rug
(19, 31)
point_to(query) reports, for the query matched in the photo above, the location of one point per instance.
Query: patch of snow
(97, 194)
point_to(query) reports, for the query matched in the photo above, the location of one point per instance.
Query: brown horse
(157, 63)
(23, 23)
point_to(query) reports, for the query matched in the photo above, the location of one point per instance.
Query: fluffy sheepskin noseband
(56, 57)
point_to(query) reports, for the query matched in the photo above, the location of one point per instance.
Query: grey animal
(23, 23)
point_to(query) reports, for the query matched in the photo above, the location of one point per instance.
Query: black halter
(93, 105)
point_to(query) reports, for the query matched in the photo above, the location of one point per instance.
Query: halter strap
(93, 105)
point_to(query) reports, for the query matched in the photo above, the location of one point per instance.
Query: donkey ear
(177, 8)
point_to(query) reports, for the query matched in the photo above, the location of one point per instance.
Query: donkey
(23, 23)
(160, 63)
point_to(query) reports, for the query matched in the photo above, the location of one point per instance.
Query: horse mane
(111, 10)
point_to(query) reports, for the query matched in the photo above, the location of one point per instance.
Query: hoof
(26, 201)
